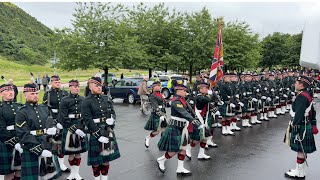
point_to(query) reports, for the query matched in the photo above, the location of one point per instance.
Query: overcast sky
(263, 18)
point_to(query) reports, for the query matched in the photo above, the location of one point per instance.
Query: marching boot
(256, 120)
(274, 115)
(269, 113)
(229, 132)
(252, 121)
(72, 173)
(76, 173)
(63, 167)
(262, 116)
(283, 109)
(104, 177)
(210, 143)
(147, 141)
(266, 117)
(188, 151)
(97, 178)
(280, 110)
(244, 124)
(202, 156)
(224, 130)
(231, 126)
(181, 170)
(219, 125)
(161, 160)
(298, 173)
(235, 127)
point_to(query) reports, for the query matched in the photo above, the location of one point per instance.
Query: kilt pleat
(153, 122)
(6, 157)
(308, 142)
(171, 139)
(94, 152)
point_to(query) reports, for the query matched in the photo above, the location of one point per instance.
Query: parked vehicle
(112, 78)
(127, 89)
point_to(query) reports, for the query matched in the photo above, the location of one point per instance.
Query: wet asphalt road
(253, 154)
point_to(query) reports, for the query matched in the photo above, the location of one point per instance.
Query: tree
(100, 36)
(273, 49)
(293, 47)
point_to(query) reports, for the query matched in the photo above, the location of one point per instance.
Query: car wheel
(131, 99)
(166, 93)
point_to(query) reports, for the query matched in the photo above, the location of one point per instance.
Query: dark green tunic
(7, 120)
(32, 117)
(94, 107)
(301, 124)
(71, 105)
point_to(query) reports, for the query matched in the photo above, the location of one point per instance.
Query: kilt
(65, 143)
(308, 142)
(6, 156)
(94, 152)
(210, 120)
(30, 165)
(153, 122)
(223, 111)
(170, 140)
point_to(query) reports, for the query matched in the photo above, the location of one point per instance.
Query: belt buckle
(39, 132)
(103, 119)
(77, 116)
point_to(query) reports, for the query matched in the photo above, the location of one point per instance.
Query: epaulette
(21, 107)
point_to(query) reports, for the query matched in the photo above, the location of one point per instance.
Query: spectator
(44, 82)
(48, 78)
(38, 81)
(15, 89)
(143, 90)
(121, 76)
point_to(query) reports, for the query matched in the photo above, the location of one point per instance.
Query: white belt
(10, 128)
(54, 110)
(72, 116)
(179, 119)
(98, 120)
(160, 107)
(38, 132)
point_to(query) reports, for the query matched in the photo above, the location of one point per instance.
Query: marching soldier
(74, 141)
(203, 103)
(52, 99)
(10, 148)
(303, 127)
(249, 99)
(265, 98)
(157, 121)
(34, 129)
(256, 97)
(274, 98)
(175, 138)
(243, 101)
(99, 116)
(236, 101)
(227, 110)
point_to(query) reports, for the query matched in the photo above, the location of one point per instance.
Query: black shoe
(66, 171)
(184, 174)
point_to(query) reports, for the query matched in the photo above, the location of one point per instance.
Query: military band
(35, 137)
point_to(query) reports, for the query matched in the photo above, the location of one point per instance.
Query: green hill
(22, 37)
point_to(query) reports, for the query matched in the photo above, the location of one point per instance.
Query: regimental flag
(216, 72)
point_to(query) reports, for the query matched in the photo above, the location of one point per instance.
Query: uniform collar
(7, 102)
(73, 95)
(31, 104)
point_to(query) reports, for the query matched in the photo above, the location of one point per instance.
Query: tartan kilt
(308, 142)
(210, 120)
(153, 122)
(82, 149)
(223, 111)
(30, 166)
(6, 157)
(94, 152)
(170, 140)
(196, 134)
